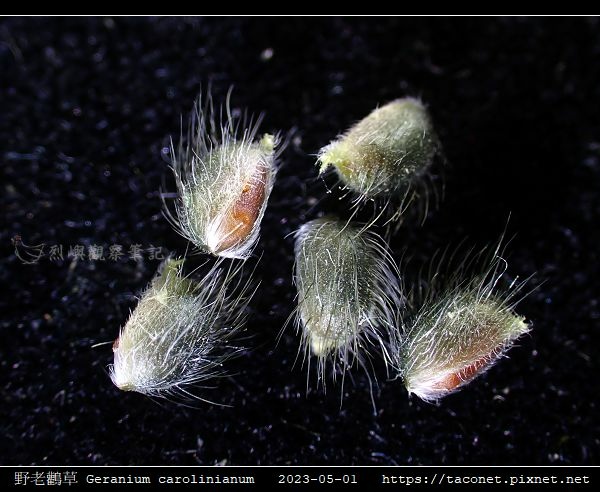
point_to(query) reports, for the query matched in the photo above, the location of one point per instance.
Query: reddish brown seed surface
(239, 219)
(464, 375)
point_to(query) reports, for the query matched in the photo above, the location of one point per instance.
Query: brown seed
(239, 220)
(466, 374)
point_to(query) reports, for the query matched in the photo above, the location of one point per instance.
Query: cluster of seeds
(181, 330)
(351, 304)
(454, 333)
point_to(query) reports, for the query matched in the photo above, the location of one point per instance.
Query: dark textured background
(89, 104)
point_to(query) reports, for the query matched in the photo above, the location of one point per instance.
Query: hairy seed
(347, 290)
(224, 178)
(385, 155)
(179, 333)
(458, 334)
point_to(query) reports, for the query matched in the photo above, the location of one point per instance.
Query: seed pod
(385, 155)
(224, 178)
(457, 335)
(348, 291)
(179, 332)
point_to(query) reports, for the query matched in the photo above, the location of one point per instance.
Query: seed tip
(321, 346)
(267, 142)
(332, 155)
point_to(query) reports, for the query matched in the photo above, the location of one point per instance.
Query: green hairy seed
(457, 335)
(224, 177)
(386, 153)
(178, 334)
(347, 290)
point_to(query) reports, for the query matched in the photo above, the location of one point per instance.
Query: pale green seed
(386, 152)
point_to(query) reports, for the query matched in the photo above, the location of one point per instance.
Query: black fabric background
(89, 104)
